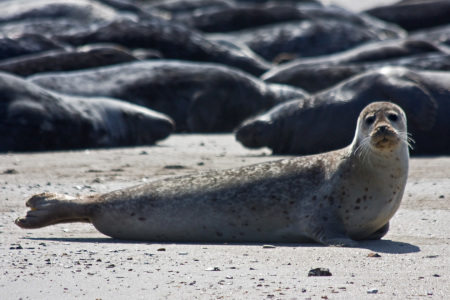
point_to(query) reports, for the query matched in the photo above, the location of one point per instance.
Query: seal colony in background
(423, 95)
(334, 198)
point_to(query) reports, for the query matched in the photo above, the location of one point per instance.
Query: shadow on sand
(381, 246)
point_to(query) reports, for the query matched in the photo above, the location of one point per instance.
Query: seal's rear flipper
(48, 209)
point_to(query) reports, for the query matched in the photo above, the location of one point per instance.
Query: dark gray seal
(82, 10)
(304, 38)
(414, 14)
(317, 73)
(314, 125)
(34, 119)
(175, 8)
(250, 15)
(317, 78)
(53, 17)
(240, 17)
(334, 198)
(198, 97)
(26, 44)
(89, 56)
(440, 34)
(173, 40)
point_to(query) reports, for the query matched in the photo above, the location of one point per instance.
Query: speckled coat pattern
(332, 198)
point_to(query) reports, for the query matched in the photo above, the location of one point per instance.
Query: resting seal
(333, 198)
(317, 73)
(423, 95)
(414, 14)
(199, 97)
(89, 56)
(34, 119)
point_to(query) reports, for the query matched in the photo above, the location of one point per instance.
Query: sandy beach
(74, 261)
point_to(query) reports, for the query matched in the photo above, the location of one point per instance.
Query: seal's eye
(370, 120)
(393, 117)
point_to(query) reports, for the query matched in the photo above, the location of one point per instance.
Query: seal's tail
(48, 209)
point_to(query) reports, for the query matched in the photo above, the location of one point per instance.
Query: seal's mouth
(387, 139)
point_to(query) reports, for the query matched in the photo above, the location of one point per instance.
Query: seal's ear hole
(393, 117)
(370, 120)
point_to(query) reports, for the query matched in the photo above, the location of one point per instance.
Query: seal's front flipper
(48, 209)
(337, 240)
(379, 233)
(331, 233)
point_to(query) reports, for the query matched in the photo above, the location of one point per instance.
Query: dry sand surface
(70, 261)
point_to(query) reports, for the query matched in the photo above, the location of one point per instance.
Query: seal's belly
(213, 228)
(207, 211)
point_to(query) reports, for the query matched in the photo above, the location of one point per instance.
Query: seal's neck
(384, 159)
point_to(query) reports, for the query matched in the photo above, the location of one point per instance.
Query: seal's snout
(252, 134)
(384, 137)
(385, 131)
(382, 129)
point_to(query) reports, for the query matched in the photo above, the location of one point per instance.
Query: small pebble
(174, 167)
(16, 247)
(319, 272)
(373, 254)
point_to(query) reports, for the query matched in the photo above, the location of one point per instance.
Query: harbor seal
(335, 198)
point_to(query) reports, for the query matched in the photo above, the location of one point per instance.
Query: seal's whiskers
(406, 138)
(364, 149)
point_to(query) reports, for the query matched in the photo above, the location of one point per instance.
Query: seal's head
(381, 129)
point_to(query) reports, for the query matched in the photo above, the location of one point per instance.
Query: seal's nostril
(382, 128)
